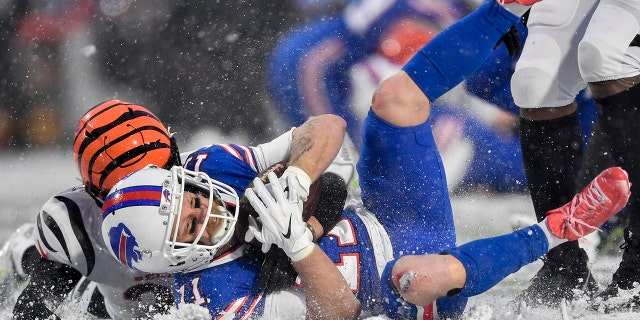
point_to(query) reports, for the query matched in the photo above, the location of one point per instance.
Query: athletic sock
(552, 153)
(552, 239)
(459, 50)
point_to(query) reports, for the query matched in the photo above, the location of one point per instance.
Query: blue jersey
(231, 286)
(408, 216)
(231, 289)
(230, 163)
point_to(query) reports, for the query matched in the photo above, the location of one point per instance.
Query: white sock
(553, 240)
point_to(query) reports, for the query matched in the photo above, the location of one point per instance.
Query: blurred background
(203, 67)
(196, 64)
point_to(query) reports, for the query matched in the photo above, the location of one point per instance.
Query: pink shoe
(605, 196)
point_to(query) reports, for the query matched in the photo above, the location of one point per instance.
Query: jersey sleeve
(231, 164)
(61, 233)
(274, 151)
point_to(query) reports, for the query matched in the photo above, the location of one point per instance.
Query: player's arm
(313, 145)
(49, 284)
(55, 240)
(327, 293)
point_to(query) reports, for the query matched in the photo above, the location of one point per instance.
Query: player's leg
(399, 157)
(605, 54)
(479, 265)
(401, 174)
(544, 86)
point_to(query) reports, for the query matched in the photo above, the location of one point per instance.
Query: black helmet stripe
(132, 155)
(129, 155)
(100, 131)
(119, 103)
(84, 127)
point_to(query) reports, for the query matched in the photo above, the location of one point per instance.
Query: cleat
(564, 275)
(605, 196)
(623, 292)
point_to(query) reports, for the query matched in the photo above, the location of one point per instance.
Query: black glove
(277, 272)
(511, 41)
(58, 279)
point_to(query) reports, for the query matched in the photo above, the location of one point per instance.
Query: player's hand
(280, 217)
(297, 182)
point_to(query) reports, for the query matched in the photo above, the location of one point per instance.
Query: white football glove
(297, 182)
(280, 220)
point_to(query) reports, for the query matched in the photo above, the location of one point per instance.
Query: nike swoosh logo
(288, 234)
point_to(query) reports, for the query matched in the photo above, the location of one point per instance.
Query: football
(246, 209)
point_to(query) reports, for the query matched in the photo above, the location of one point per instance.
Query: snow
(34, 176)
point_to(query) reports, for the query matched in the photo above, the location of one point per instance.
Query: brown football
(246, 209)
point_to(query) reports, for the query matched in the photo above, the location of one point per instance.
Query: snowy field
(31, 178)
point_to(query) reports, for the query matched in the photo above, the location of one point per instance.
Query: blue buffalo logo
(124, 245)
(166, 195)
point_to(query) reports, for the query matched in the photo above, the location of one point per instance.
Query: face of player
(195, 209)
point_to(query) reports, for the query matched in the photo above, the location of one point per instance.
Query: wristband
(313, 232)
(305, 250)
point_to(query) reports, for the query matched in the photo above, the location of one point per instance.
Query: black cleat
(564, 275)
(623, 293)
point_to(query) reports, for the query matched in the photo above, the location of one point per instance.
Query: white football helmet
(139, 213)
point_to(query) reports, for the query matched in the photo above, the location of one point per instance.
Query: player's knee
(531, 86)
(398, 101)
(535, 80)
(596, 60)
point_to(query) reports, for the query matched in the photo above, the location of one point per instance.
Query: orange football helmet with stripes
(116, 138)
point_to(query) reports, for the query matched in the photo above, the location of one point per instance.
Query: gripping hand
(298, 183)
(279, 208)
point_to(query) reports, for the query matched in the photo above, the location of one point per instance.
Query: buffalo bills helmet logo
(124, 245)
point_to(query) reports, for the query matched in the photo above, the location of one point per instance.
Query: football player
(114, 139)
(403, 186)
(308, 69)
(571, 44)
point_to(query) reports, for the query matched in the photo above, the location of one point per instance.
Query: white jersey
(69, 232)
